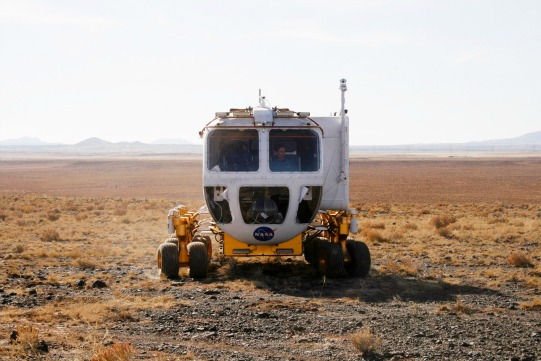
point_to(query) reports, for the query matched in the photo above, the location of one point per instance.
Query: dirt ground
(456, 267)
(429, 180)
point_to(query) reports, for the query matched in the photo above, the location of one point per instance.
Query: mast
(343, 133)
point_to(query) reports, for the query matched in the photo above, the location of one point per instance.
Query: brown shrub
(18, 248)
(458, 307)
(496, 220)
(445, 232)
(22, 222)
(49, 235)
(411, 226)
(373, 236)
(116, 352)
(27, 339)
(85, 263)
(120, 211)
(519, 260)
(442, 221)
(365, 342)
(81, 217)
(376, 225)
(53, 216)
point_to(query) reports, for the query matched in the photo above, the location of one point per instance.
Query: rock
(211, 292)
(81, 283)
(42, 346)
(99, 284)
(263, 315)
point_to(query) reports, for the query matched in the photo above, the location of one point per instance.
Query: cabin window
(293, 150)
(233, 150)
(264, 205)
(217, 204)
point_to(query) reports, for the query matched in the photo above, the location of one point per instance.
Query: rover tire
(199, 260)
(359, 266)
(168, 259)
(311, 249)
(207, 242)
(330, 260)
(172, 239)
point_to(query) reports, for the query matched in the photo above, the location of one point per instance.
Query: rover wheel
(172, 239)
(199, 261)
(359, 266)
(207, 242)
(168, 259)
(330, 260)
(311, 250)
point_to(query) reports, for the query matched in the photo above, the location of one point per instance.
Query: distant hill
(529, 138)
(131, 144)
(23, 141)
(170, 141)
(94, 142)
(530, 142)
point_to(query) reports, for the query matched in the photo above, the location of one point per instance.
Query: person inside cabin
(235, 157)
(281, 162)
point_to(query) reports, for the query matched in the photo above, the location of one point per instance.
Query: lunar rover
(276, 183)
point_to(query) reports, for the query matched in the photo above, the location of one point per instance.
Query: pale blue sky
(420, 71)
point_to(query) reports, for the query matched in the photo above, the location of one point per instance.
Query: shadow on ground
(296, 278)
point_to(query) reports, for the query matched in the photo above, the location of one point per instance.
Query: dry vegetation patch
(425, 251)
(366, 342)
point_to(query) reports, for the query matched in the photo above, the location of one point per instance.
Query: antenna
(343, 131)
(261, 100)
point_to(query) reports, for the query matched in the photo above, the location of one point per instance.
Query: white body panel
(335, 187)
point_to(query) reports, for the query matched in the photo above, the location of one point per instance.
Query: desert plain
(456, 267)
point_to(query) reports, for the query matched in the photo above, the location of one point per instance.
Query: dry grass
(458, 307)
(365, 342)
(373, 224)
(442, 221)
(49, 235)
(373, 236)
(27, 339)
(116, 352)
(519, 260)
(534, 305)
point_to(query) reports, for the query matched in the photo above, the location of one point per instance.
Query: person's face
(281, 152)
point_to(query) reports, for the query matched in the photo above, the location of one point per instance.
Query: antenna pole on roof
(261, 100)
(344, 134)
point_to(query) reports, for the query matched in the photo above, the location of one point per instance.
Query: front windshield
(233, 150)
(293, 150)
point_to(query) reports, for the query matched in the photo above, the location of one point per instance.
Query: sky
(418, 71)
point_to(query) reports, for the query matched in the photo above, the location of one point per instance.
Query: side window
(233, 150)
(295, 150)
(217, 204)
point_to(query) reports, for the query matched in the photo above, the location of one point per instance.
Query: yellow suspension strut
(347, 224)
(182, 222)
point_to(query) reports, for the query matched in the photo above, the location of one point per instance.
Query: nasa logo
(264, 234)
